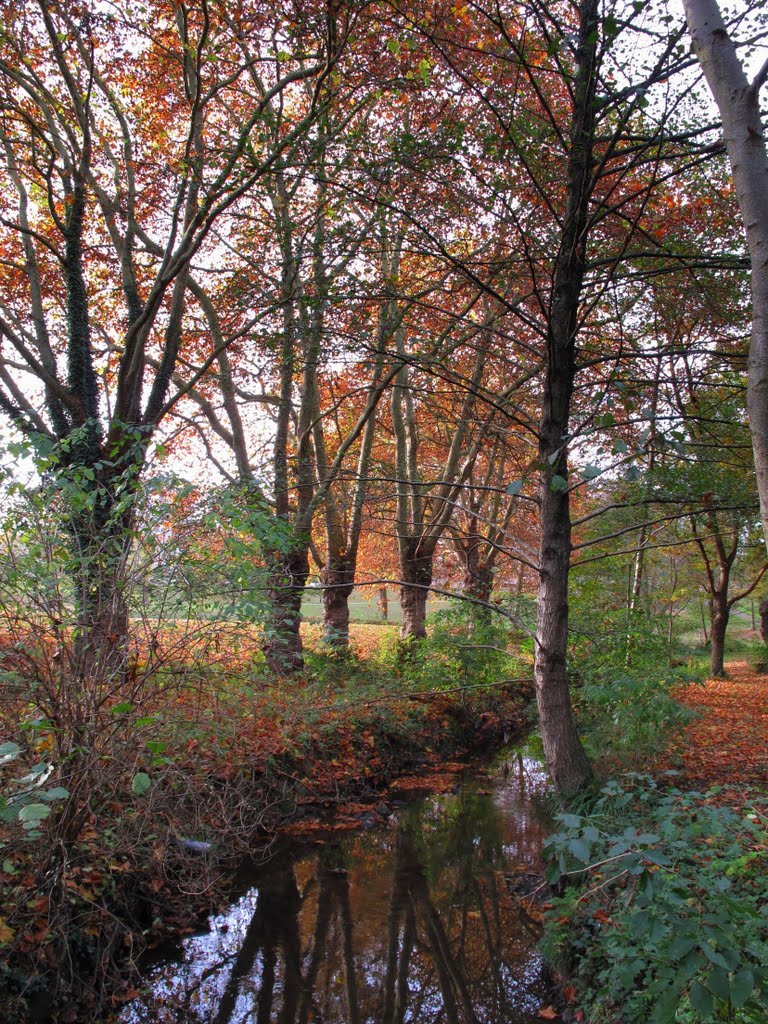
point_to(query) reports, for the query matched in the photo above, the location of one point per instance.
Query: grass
(363, 609)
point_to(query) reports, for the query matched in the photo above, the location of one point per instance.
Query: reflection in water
(413, 922)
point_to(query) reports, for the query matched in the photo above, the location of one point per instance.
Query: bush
(665, 907)
(467, 647)
(625, 714)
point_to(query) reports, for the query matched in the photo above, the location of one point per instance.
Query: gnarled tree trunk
(338, 579)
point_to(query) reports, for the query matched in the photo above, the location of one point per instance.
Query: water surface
(418, 920)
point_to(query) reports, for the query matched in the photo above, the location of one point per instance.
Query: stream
(417, 919)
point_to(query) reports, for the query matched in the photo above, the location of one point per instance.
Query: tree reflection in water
(413, 922)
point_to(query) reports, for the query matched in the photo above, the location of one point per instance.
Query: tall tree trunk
(416, 579)
(338, 579)
(282, 645)
(566, 760)
(738, 101)
(720, 614)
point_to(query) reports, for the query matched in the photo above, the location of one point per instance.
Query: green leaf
(393, 45)
(591, 471)
(718, 985)
(515, 487)
(56, 793)
(558, 483)
(701, 999)
(639, 922)
(742, 986)
(665, 1007)
(727, 958)
(570, 820)
(141, 783)
(580, 850)
(620, 446)
(122, 709)
(9, 752)
(34, 813)
(681, 947)
(610, 26)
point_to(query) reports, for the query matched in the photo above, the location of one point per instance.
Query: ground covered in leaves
(726, 744)
(661, 874)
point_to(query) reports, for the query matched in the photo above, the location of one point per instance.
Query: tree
(718, 479)
(111, 207)
(738, 101)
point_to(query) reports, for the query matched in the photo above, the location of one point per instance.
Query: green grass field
(362, 610)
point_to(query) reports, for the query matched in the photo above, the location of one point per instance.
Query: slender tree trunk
(382, 603)
(703, 622)
(566, 760)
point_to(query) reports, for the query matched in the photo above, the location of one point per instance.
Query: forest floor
(726, 744)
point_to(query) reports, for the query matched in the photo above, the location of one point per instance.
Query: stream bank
(152, 865)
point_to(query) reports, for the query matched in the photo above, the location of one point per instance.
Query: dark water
(418, 920)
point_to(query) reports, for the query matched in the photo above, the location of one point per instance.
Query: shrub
(665, 906)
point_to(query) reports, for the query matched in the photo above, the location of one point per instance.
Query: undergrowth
(662, 915)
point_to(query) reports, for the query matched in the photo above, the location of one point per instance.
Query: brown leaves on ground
(727, 744)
